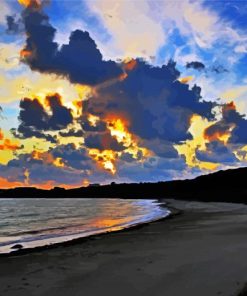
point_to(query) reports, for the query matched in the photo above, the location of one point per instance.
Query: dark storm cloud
(24, 132)
(128, 157)
(72, 133)
(34, 119)
(61, 115)
(156, 104)
(153, 169)
(195, 65)
(103, 141)
(232, 122)
(78, 166)
(99, 126)
(157, 107)
(153, 101)
(33, 115)
(217, 152)
(161, 148)
(73, 157)
(12, 173)
(80, 60)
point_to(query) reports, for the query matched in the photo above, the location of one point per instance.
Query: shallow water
(39, 222)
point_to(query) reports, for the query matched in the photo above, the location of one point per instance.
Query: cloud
(232, 124)
(161, 148)
(75, 158)
(8, 144)
(134, 113)
(80, 60)
(125, 21)
(34, 116)
(195, 65)
(9, 59)
(40, 120)
(154, 103)
(72, 133)
(98, 126)
(103, 141)
(151, 170)
(14, 25)
(219, 69)
(148, 98)
(217, 152)
(62, 166)
(24, 132)
(198, 25)
(61, 115)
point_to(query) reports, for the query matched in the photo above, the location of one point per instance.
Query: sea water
(40, 222)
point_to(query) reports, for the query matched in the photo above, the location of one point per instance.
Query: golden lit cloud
(47, 158)
(33, 3)
(8, 145)
(186, 79)
(26, 175)
(93, 119)
(238, 94)
(5, 184)
(106, 159)
(189, 147)
(33, 84)
(118, 129)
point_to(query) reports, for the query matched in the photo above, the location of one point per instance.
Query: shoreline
(199, 252)
(82, 239)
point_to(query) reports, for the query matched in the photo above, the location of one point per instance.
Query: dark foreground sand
(202, 252)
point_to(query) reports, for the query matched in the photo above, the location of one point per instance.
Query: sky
(100, 91)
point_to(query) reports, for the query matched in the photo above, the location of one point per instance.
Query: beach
(199, 251)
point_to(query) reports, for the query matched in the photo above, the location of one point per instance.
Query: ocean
(40, 222)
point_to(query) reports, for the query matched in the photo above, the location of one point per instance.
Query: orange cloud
(30, 3)
(129, 64)
(221, 134)
(218, 135)
(198, 125)
(48, 158)
(8, 144)
(106, 159)
(228, 107)
(1, 135)
(5, 184)
(24, 53)
(186, 79)
(118, 128)
(77, 108)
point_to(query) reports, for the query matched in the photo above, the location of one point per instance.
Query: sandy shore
(202, 252)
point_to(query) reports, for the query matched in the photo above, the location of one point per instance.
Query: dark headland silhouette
(222, 186)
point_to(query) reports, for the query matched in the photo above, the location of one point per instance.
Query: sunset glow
(119, 96)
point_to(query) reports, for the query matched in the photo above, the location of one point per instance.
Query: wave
(101, 219)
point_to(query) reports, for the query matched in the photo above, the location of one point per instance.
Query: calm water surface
(39, 222)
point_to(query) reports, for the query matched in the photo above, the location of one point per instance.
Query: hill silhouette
(222, 186)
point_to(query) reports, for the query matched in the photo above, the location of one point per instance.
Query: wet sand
(202, 251)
